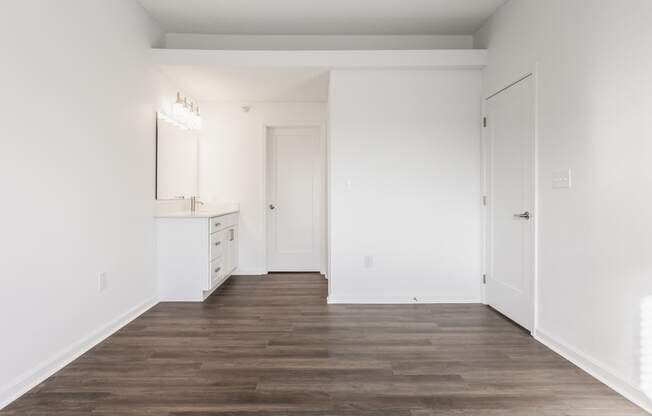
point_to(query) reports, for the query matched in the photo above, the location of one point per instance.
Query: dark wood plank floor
(271, 346)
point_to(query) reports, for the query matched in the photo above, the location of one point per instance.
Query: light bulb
(178, 108)
(190, 110)
(197, 119)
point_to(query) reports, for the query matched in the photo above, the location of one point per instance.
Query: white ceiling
(322, 17)
(206, 83)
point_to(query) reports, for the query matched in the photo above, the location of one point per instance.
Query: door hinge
(484, 200)
(484, 121)
(484, 279)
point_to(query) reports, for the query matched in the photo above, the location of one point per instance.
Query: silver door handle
(272, 206)
(525, 215)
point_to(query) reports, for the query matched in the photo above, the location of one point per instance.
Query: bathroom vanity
(196, 252)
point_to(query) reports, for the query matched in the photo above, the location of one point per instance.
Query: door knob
(525, 215)
(272, 206)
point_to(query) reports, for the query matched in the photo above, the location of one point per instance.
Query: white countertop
(208, 212)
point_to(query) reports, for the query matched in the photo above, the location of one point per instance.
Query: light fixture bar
(184, 114)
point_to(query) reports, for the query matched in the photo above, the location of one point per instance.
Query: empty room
(326, 208)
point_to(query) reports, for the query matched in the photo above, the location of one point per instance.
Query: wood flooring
(272, 346)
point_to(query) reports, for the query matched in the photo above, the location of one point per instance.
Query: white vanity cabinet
(196, 253)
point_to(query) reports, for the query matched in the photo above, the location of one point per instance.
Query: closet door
(510, 281)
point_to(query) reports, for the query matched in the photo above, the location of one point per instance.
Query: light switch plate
(561, 179)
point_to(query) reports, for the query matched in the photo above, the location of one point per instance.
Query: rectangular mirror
(176, 161)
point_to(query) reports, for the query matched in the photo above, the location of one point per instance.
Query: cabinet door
(233, 249)
(217, 272)
(218, 242)
(227, 251)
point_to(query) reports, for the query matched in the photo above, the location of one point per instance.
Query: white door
(294, 199)
(511, 132)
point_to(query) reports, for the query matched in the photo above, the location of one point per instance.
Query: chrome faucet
(194, 200)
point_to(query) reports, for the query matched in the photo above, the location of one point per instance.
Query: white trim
(263, 193)
(249, 272)
(484, 218)
(323, 263)
(396, 300)
(329, 188)
(30, 379)
(316, 42)
(536, 196)
(595, 368)
(367, 59)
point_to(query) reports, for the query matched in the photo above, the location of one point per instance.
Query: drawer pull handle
(217, 224)
(218, 243)
(218, 270)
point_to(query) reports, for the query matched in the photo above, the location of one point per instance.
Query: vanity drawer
(217, 223)
(224, 221)
(217, 271)
(218, 241)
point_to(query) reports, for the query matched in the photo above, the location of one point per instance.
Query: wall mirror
(176, 161)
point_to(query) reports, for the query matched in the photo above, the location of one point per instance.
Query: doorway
(511, 202)
(295, 199)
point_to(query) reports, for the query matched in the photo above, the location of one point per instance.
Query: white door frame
(486, 225)
(323, 237)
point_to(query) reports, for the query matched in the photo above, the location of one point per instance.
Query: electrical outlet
(368, 262)
(102, 281)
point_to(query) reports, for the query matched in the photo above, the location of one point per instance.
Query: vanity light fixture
(184, 114)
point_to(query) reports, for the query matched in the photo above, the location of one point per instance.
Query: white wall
(77, 178)
(315, 42)
(594, 108)
(232, 169)
(408, 144)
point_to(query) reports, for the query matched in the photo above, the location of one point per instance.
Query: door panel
(510, 283)
(294, 199)
(232, 238)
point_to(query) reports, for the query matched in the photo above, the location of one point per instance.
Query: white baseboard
(598, 370)
(395, 300)
(255, 272)
(249, 272)
(30, 379)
